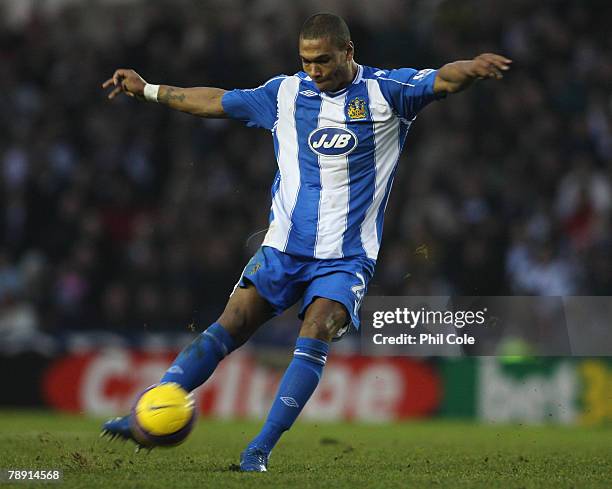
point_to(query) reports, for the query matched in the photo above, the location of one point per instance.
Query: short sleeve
(257, 107)
(408, 91)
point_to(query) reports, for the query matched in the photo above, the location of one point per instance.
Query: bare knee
(323, 319)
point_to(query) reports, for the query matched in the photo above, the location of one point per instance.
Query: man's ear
(350, 51)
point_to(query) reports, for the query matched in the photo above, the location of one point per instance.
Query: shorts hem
(244, 282)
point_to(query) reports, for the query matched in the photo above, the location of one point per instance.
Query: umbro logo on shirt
(309, 93)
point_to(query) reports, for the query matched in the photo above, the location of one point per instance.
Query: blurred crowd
(128, 216)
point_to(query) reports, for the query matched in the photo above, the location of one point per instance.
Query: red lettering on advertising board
(352, 387)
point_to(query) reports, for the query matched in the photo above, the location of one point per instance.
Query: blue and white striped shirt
(337, 155)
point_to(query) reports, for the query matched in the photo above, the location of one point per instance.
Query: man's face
(327, 65)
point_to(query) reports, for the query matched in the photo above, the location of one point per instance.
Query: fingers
(107, 83)
(117, 81)
(498, 61)
(118, 77)
(116, 91)
(492, 66)
(497, 58)
(495, 71)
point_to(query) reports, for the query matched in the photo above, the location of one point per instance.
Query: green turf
(424, 454)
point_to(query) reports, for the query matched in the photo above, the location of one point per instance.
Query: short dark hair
(323, 25)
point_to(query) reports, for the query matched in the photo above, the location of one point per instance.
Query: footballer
(338, 129)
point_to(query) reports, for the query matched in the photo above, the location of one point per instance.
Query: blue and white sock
(297, 385)
(196, 363)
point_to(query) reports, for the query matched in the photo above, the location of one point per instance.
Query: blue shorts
(284, 279)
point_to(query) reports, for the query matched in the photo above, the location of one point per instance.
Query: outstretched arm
(200, 101)
(456, 76)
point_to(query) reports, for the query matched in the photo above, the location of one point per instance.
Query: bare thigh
(244, 313)
(323, 319)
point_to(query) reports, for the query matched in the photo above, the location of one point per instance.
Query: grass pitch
(419, 454)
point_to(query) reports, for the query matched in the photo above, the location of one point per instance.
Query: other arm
(200, 101)
(456, 76)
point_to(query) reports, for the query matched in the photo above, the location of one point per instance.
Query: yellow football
(163, 415)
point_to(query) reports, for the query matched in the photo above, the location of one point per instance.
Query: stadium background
(124, 226)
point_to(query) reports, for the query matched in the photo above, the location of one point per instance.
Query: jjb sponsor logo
(332, 141)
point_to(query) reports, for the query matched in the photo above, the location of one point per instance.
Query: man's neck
(354, 68)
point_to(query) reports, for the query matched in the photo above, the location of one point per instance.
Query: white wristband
(150, 92)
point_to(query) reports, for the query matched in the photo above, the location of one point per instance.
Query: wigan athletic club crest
(252, 268)
(357, 109)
